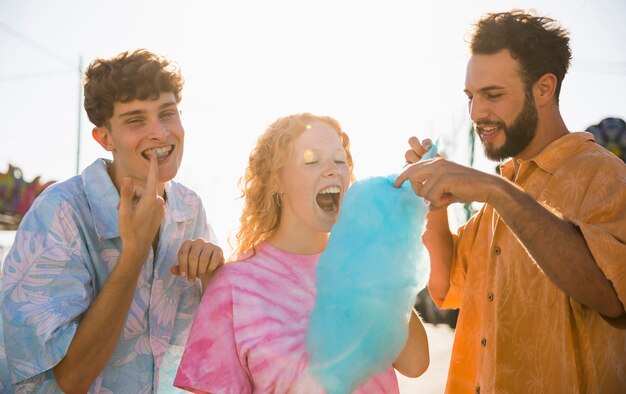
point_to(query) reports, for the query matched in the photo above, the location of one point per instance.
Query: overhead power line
(36, 75)
(53, 55)
(35, 45)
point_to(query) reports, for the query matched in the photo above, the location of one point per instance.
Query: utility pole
(80, 111)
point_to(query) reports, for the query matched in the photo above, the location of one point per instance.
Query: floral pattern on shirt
(65, 249)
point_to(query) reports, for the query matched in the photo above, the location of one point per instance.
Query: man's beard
(518, 135)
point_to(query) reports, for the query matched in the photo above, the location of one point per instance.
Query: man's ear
(103, 137)
(545, 89)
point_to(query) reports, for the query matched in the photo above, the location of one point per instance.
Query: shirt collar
(180, 201)
(552, 156)
(103, 199)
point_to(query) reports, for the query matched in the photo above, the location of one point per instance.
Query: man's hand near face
(141, 211)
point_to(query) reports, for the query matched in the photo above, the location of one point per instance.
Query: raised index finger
(126, 196)
(153, 175)
(416, 173)
(404, 175)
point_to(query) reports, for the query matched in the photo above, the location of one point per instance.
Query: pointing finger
(402, 177)
(153, 175)
(126, 196)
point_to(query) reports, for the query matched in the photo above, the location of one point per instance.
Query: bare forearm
(414, 357)
(559, 248)
(438, 241)
(99, 330)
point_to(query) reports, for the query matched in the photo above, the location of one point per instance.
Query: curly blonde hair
(260, 183)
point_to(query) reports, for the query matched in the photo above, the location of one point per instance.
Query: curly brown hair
(140, 74)
(538, 43)
(260, 183)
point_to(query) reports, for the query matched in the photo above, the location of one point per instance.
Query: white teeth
(489, 128)
(160, 152)
(330, 189)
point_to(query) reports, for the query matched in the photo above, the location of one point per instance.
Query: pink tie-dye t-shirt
(249, 333)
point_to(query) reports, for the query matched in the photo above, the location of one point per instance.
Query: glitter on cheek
(309, 156)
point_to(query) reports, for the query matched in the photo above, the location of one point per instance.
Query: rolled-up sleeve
(602, 222)
(46, 288)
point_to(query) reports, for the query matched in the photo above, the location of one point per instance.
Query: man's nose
(478, 109)
(158, 130)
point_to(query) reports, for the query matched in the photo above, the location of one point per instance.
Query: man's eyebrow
(168, 104)
(491, 87)
(131, 113)
(141, 111)
(486, 89)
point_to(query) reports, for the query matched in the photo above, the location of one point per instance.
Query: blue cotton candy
(366, 283)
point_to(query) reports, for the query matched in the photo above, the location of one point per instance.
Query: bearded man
(539, 273)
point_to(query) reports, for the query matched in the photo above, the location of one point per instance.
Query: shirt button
(477, 390)
(483, 342)
(490, 296)
(497, 250)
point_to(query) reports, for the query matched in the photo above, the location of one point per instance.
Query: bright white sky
(386, 70)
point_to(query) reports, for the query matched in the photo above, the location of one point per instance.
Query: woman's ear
(545, 89)
(103, 137)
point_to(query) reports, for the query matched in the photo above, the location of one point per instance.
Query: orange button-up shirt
(517, 332)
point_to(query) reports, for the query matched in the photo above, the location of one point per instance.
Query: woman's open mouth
(328, 199)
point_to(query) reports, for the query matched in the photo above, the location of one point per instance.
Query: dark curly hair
(538, 43)
(140, 74)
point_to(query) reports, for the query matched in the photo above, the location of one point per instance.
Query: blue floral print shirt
(64, 250)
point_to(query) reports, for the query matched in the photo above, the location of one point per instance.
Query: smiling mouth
(487, 130)
(329, 198)
(161, 152)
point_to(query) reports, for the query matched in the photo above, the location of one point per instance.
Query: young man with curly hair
(107, 268)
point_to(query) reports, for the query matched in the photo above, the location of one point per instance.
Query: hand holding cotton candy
(366, 283)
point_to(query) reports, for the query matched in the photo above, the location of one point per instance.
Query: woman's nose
(330, 169)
